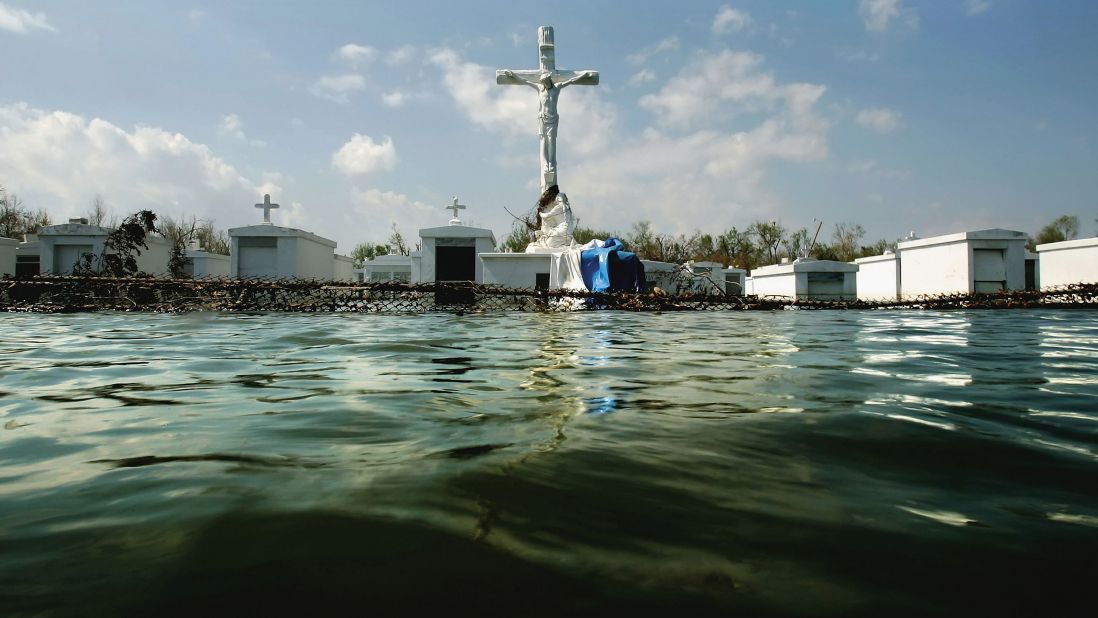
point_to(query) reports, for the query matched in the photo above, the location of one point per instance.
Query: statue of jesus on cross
(548, 81)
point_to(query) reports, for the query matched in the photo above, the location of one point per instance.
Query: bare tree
(846, 237)
(396, 241)
(99, 211)
(16, 219)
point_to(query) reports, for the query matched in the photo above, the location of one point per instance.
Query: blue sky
(933, 116)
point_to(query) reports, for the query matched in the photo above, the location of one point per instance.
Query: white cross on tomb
(455, 207)
(266, 205)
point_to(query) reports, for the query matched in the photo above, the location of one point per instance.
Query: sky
(935, 117)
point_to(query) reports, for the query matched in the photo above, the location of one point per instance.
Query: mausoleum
(61, 247)
(1067, 262)
(521, 270)
(389, 267)
(8, 247)
(199, 263)
(879, 277)
(344, 268)
(28, 256)
(7, 256)
(452, 252)
(807, 280)
(735, 281)
(268, 250)
(963, 263)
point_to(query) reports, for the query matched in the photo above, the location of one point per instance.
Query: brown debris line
(70, 294)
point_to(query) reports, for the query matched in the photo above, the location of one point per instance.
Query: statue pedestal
(552, 269)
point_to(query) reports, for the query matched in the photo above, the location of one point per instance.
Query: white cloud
(22, 21)
(63, 159)
(669, 44)
(711, 80)
(378, 210)
(401, 55)
(975, 7)
(641, 77)
(858, 55)
(337, 88)
(678, 180)
(878, 15)
(232, 126)
(196, 15)
(395, 98)
(355, 55)
(362, 155)
(729, 19)
(587, 120)
(879, 119)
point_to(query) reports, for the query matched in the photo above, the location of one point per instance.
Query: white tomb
(660, 275)
(1067, 262)
(705, 272)
(1033, 271)
(28, 256)
(61, 247)
(280, 252)
(343, 268)
(7, 256)
(199, 263)
(879, 277)
(963, 263)
(452, 252)
(735, 281)
(807, 280)
(270, 251)
(389, 267)
(521, 270)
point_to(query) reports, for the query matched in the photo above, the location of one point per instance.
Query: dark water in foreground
(585, 464)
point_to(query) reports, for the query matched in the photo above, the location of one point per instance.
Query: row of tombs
(966, 262)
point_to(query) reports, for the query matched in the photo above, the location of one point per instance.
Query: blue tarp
(610, 267)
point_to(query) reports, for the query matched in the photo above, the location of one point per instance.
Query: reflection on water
(790, 463)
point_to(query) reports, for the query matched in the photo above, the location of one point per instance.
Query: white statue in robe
(557, 226)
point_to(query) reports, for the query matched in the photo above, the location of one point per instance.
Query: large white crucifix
(266, 205)
(548, 81)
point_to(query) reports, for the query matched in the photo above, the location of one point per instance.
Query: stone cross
(455, 207)
(266, 206)
(548, 81)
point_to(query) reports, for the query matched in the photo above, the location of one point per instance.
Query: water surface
(802, 463)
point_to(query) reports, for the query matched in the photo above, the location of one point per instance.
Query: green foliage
(1062, 228)
(517, 240)
(770, 235)
(845, 241)
(367, 251)
(120, 249)
(584, 235)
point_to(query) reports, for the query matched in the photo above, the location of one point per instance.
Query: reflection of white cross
(455, 207)
(267, 206)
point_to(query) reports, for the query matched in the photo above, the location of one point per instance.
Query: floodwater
(790, 463)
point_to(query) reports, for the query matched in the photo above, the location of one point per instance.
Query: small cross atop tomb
(455, 207)
(266, 205)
